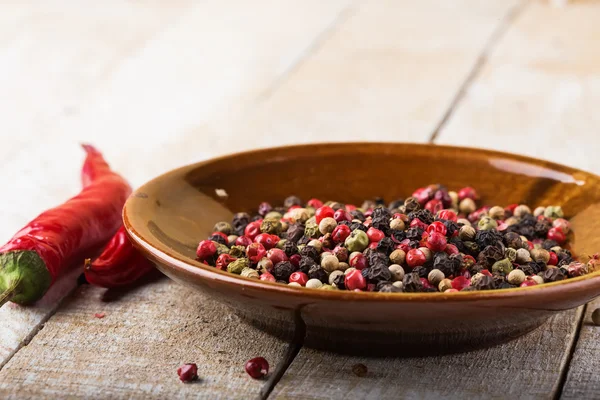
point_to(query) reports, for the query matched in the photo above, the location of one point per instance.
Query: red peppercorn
(475, 215)
(368, 213)
(257, 367)
(437, 226)
(323, 212)
(530, 245)
(299, 277)
(502, 226)
(355, 280)
(434, 205)
(370, 287)
(416, 222)
(553, 258)
(266, 276)
(206, 249)
(426, 283)
(293, 207)
(451, 249)
(267, 240)
(467, 192)
(276, 255)
(451, 290)
(460, 282)
(415, 258)
(557, 235)
(511, 208)
(405, 247)
(295, 260)
(436, 242)
(469, 259)
(350, 207)
(342, 215)
(315, 203)
(423, 195)
(375, 235)
(340, 233)
(255, 252)
(486, 272)
(188, 372)
(448, 215)
(252, 229)
(358, 261)
(223, 261)
(243, 241)
(528, 282)
(373, 245)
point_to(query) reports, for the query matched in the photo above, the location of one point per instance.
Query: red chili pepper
(119, 264)
(44, 249)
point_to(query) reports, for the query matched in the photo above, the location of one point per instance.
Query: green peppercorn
(496, 212)
(310, 211)
(273, 215)
(314, 283)
(334, 275)
(553, 212)
(327, 225)
(311, 229)
(467, 233)
(521, 211)
(398, 256)
(221, 249)
(249, 273)
(223, 227)
(281, 244)
(435, 276)
(511, 254)
(516, 277)
(540, 255)
(330, 263)
(503, 266)
(397, 272)
(237, 266)
(357, 241)
(237, 251)
(270, 225)
(486, 224)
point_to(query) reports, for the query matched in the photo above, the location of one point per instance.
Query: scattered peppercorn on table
(190, 81)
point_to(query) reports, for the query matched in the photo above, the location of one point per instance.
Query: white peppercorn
(327, 225)
(539, 211)
(521, 210)
(342, 266)
(397, 272)
(516, 277)
(445, 284)
(316, 244)
(467, 233)
(537, 279)
(299, 215)
(511, 221)
(314, 283)
(398, 256)
(334, 275)
(397, 224)
(496, 212)
(540, 255)
(294, 284)
(476, 278)
(330, 263)
(454, 196)
(463, 221)
(523, 256)
(398, 284)
(428, 254)
(435, 277)
(467, 206)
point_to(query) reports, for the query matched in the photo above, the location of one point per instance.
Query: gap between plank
(564, 371)
(498, 33)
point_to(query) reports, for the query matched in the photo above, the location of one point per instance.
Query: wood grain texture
(387, 73)
(75, 73)
(528, 367)
(538, 92)
(134, 351)
(582, 381)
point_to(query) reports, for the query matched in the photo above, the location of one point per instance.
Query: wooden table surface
(156, 85)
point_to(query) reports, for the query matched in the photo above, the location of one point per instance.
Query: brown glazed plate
(168, 216)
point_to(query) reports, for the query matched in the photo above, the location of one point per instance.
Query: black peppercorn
(290, 248)
(387, 287)
(489, 256)
(397, 236)
(505, 285)
(306, 263)
(411, 204)
(292, 201)
(471, 248)
(357, 225)
(378, 272)
(469, 289)
(460, 245)
(256, 217)
(304, 240)
(541, 228)
(424, 215)
(339, 282)
(280, 210)
(485, 283)
(310, 251)
(379, 201)
(443, 262)
(381, 212)
(282, 270)
(385, 246)
(527, 269)
(414, 233)
(374, 257)
(475, 269)
(365, 272)
(357, 214)
(451, 227)
(553, 275)
(239, 223)
(347, 223)
(513, 240)
(316, 272)
(486, 238)
(421, 271)
(412, 283)
(564, 258)
(395, 204)
(295, 232)
(548, 244)
(218, 239)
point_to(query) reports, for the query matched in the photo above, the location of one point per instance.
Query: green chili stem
(9, 293)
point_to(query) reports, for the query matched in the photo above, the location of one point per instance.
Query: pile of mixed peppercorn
(436, 240)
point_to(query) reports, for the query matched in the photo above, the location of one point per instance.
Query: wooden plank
(134, 351)
(582, 381)
(388, 72)
(537, 93)
(528, 367)
(79, 73)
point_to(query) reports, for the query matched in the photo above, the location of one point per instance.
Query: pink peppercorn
(293, 207)
(342, 215)
(267, 240)
(466, 274)
(255, 252)
(188, 372)
(373, 245)
(223, 261)
(422, 195)
(323, 212)
(315, 203)
(553, 258)
(370, 287)
(486, 272)
(467, 192)
(562, 224)
(355, 280)
(299, 277)
(436, 242)
(451, 249)
(276, 255)
(350, 207)
(252, 229)
(448, 215)
(460, 282)
(434, 205)
(557, 235)
(530, 245)
(511, 208)
(415, 258)
(358, 261)
(437, 226)
(257, 367)
(403, 246)
(416, 222)
(340, 233)
(243, 241)
(528, 282)
(451, 290)
(206, 249)
(375, 235)
(295, 260)
(426, 283)
(266, 276)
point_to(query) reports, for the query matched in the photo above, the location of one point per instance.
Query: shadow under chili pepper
(118, 293)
